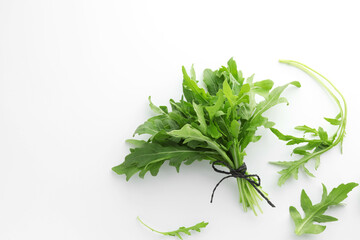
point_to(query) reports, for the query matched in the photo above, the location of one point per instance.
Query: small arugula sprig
(176, 233)
(214, 124)
(315, 213)
(320, 142)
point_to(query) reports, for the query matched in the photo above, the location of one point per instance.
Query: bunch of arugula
(215, 125)
(319, 142)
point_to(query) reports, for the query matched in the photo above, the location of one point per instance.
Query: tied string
(238, 173)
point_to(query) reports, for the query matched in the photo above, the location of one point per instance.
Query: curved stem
(148, 226)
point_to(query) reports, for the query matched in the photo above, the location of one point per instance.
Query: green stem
(248, 196)
(234, 155)
(148, 226)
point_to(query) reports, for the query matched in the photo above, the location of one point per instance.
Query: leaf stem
(138, 218)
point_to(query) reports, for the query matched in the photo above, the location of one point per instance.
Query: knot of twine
(238, 173)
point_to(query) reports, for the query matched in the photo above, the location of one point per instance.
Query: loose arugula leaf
(315, 213)
(313, 147)
(216, 123)
(176, 233)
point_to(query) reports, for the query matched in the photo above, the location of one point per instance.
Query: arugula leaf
(256, 120)
(213, 82)
(214, 109)
(273, 99)
(149, 157)
(192, 91)
(216, 123)
(315, 213)
(200, 117)
(189, 133)
(176, 233)
(155, 124)
(156, 109)
(320, 142)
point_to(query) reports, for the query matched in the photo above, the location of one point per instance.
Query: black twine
(239, 173)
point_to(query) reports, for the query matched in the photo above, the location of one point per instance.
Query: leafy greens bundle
(216, 124)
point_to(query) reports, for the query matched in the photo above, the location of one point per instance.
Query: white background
(74, 82)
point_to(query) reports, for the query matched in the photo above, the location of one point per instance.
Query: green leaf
(333, 121)
(229, 94)
(151, 156)
(245, 88)
(257, 120)
(293, 140)
(318, 146)
(213, 82)
(192, 73)
(200, 117)
(304, 150)
(233, 70)
(306, 203)
(136, 143)
(213, 131)
(337, 195)
(179, 118)
(291, 169)
(273, 98)
(249, 129)
(315, 213)
(295, 215)
(262, 88)
(324, 218)
(235, 128)
(155, 108)
(265, 84)
(325, 194)
(181, 230)
(212, 110)
(307, 171)
(317, 161)
(188, 133)
(307, 129)
(155, 124)
(192, 92)
(322, 134)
